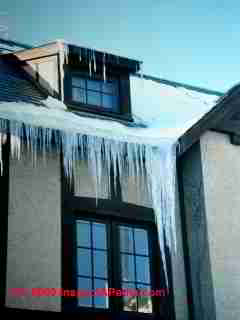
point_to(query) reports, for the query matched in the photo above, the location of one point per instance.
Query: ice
(80, 55)
(104, 67)
(125, 158)
(165, 106)
(52, 103)
(66, 52)
(94, 62)
(109, 146)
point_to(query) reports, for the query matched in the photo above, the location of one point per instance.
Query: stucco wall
(34, 239)
(221, 173)
(47, 69)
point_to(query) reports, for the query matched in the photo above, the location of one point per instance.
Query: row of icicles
(92, 64)
(105, 157)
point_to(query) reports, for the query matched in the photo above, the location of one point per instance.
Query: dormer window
(95, 92)
(97, 82)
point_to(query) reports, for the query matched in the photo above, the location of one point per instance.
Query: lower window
(116, 255)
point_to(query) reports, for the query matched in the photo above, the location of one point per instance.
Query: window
(111, 254)
(95, 93)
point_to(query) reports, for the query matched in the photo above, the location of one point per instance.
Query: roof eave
(225, 107)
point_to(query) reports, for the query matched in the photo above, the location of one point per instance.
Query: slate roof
(15, 84)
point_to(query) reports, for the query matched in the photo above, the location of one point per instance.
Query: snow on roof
(166, 111)
(172, 110)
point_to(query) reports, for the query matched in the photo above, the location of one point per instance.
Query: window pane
(94, 85)
(127, 263)
(86, 285)
(84, 262)
(109, 87)
(100, 263)
(126, 239)
(115, 103)
(143, 274)
(94, 98)
(141, 241)
(78, 82)
(78, 95)
(83, 233)
(100, 301)
(99, 236)
(144, 299)
(107, 101)
(130, 300)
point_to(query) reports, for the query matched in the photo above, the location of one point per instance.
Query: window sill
(97, 112)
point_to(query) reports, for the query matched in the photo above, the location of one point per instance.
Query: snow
(132, 151)
(163, 106)
(52, 103)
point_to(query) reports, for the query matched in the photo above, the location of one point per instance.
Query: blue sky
(194, 42)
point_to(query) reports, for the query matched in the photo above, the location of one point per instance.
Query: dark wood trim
(228, 126)
(125, 96)
(186, 253)
(67, 240)
(124, 112)
(4, 189)
(113, 208)
(224, 109)
(126, 213)
(112, 61)
(200, 288)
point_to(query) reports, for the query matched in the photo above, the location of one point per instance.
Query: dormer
(88, 81)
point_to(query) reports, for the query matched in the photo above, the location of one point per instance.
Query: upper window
(95, 93)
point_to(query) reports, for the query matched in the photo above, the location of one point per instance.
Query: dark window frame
(123, 111)
(114, 255)
(85, 77)
(109, 209)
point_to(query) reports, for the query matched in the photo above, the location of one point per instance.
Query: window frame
(109, 209)
(114, 256)
(123, 111)
(85, 77)
(156, 269)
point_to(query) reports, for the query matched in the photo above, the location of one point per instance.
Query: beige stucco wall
(47, 68)
(221, 176)
(34, 247)
(84, 184)
(34, 238)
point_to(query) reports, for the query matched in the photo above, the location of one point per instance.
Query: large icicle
(122, 158)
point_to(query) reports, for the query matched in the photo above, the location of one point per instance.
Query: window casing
(95, 92)
(93, 95)
(105, 248)
(116, 215)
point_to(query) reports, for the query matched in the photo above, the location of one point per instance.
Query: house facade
(72, 232)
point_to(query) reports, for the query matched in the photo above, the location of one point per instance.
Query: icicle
(105, 156)
(162, 160)
(80, 55)
(94, 62)
(90, 64)
(66, 53)
(104, 67)
(3, 139)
